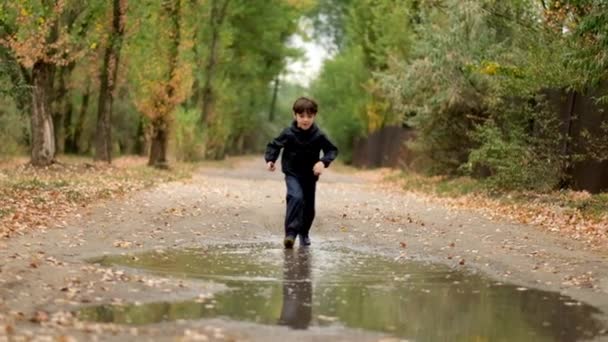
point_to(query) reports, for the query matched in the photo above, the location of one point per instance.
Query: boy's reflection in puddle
(297, 289)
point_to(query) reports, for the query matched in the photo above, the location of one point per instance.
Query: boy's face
(304, 120)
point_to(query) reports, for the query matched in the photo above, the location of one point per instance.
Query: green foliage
(464, 74)
(473, 72)
(14, 85)
(54, 32)
(590, 42)
(288, 93)
(519, 147)
(329, 22)
(440, 185)
(381, 29)
(464, 91)
(435, 92)
(125, 122)
(12, 129)
(595, 206)
(513, 161)
(187, 140)
(369, 34)
(342, 99)
(253, 54)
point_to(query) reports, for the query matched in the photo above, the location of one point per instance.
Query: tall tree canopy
(472, 78)
(192, 77)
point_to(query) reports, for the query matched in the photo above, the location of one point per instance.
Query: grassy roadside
(575, 214)
(40, 198)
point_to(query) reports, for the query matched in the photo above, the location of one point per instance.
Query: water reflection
(413, 300)
(296, 311)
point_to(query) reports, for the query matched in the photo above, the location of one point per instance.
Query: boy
(302, 143)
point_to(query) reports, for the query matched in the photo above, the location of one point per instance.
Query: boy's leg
(309, 191)
(295, 206)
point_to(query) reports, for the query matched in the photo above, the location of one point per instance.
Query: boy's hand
(318, 168)
(270, 166)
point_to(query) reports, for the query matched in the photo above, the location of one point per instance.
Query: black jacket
(301, 150)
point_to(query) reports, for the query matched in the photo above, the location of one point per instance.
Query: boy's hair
(305, 105)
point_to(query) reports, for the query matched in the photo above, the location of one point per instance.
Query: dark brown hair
(305, 105)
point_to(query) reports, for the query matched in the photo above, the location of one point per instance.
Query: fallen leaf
(39, 317)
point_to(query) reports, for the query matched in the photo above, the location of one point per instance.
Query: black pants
(300, 205)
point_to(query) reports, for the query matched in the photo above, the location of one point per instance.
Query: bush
(518, 158)
(13, 128)
(187, 140)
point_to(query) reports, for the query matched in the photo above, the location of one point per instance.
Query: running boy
(302, 143)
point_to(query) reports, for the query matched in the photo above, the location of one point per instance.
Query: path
(44, 274)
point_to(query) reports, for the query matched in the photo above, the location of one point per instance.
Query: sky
(306, 69)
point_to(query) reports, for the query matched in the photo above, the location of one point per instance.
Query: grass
(5, 212)
(35, 183)
(591, 206)
(441, 185)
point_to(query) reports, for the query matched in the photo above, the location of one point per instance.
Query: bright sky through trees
(303, 70)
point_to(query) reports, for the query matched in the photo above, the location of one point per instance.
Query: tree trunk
(19, 77)
(195, 98)
(58, 124)
(218, 14)
(566, 181)
(141, 141)
(160, 125)
(273, 103)
(62, 107)
(72, 144)
(174, 14)
(109, 71)
(67, 123)
(159, 141)
(43, 136)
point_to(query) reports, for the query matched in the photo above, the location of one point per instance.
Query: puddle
(326, 285)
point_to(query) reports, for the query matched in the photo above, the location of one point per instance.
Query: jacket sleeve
(330, 151)
(273, 149)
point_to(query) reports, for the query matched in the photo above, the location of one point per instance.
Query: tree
(160, 125)
(217, 15)
(330, 22)
(36, 37)
(250, 53)
(340, 91)
(474, 82)
(159, 75)
(223, 60)
(369, 35)
(108, 80)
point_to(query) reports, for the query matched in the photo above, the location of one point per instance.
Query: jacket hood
(297, 130)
